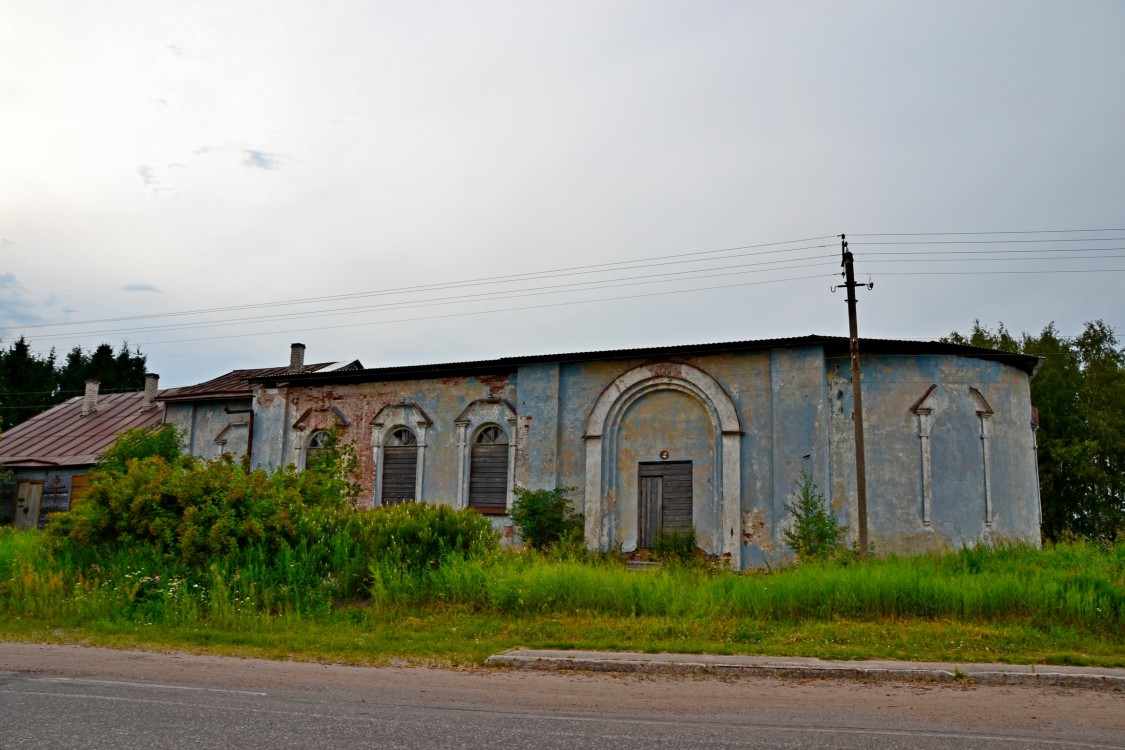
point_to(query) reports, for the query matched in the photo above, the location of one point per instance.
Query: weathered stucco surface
(676, 423)
(957, 512)
(285, 419)
(950, 452)
(209, 429)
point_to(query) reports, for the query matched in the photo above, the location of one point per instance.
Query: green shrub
(191, 509)
(675, 545)
(545, 518)
(419, 536)
(138, 443)
(815, 533)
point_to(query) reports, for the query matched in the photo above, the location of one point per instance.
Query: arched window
(488, 470)
(320, 442)
(400, 467)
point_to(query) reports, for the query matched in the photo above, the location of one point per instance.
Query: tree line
(31, 383)
(1080, 393)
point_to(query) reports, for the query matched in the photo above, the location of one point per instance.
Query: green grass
(324, 601)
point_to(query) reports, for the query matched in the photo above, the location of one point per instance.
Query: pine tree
(31, 383)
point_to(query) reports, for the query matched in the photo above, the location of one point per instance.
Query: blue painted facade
(950, 444)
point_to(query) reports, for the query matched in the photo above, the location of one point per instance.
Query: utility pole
(857, 394)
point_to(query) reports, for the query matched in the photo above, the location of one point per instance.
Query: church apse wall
(950, 451)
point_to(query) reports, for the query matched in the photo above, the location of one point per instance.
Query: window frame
(389, 443)
(478, 433)
(470, 423)
(392, 417)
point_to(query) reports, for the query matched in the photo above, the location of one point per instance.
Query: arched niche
(601, 438)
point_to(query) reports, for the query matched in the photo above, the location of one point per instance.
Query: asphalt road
(67, 697)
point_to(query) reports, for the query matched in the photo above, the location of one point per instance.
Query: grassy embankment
(325, 601)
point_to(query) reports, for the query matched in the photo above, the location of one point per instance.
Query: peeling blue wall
(892, 386)
(208, 430)
(794, 415)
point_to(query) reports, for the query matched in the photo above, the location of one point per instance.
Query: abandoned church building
(708, 436)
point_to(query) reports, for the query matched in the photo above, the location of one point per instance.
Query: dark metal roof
(235, 384)
(832, 345)
(62, 437)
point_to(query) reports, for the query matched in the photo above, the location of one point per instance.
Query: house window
(400, 467)
(488, 470)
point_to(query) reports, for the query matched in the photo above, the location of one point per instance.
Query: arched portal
(603, 429)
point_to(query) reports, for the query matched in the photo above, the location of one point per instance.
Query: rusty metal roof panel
(235, 384)
(832, 345)
(61, 436)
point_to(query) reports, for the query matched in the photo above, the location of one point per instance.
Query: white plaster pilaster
(462, 464)
(985, 438)
(924, 421)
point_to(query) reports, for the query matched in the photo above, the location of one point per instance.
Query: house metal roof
(833, 346)
(62, 437)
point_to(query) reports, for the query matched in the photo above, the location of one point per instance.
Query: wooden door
(28, 496)
(650, 503)
(664, 499)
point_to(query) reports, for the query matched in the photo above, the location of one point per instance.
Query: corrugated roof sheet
(833, 346)
(61, 436)
(235, 383)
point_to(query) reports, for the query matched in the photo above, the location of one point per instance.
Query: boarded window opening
(488, 471)
(400, 468)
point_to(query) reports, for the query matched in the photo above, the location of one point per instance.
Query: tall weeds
(1073, 585)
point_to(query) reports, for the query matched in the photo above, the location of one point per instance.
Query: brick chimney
(152, 381)
(296, 357)
(90, 400)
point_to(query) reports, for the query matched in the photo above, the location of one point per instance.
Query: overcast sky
(169, 157)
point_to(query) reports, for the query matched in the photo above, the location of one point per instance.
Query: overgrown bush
(675, 545)
(138, 443)
(545, 518)
(815, 533)
(419, 536)
(190, 509)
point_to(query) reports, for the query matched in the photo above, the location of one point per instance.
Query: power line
(988, 242)
(979, 273)
(602, 299)
(500, 310)
(688, 275)
(101, 391)
(507, 278)
(685, 258)
(990, 260)
(953, 234)
(995, 252)
(463, 299)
